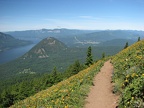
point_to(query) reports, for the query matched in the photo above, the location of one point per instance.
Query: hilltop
(128, 79)
(45, 48)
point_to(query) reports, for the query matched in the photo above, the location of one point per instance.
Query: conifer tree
(126, 45)
(54, 73)
(89, 59)
(138, 39)
(103, 55)
(76, 67)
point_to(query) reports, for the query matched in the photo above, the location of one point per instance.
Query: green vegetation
(69, 93)
(8, 42)
(32, 83)
(129, 76)
(51, 81)
(103, 55)
(126, 45)
(61, 59)
(138, 39)
(89, 59)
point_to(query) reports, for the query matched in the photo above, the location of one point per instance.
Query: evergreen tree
(54, 73)
(76, 67)
(6, 99)
(89, 59)
(126, 45)
(138, 39)
(103, 55)
(55, 76)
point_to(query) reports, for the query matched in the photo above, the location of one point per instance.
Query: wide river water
(14, 53)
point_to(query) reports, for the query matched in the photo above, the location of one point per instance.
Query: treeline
(29, 83)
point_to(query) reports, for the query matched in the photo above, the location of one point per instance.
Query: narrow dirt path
(101, 95)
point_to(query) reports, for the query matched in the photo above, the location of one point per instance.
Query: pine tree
(76, 67)
(138, 39)
(55, 76)
(89, 59)
(126, 45)
(103, 55)
(54, 72)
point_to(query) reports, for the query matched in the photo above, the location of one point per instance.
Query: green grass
(129, 76)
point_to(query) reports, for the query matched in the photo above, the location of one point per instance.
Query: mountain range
(79, 38)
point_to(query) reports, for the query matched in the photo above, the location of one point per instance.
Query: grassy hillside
(69, 93)
(129, 76)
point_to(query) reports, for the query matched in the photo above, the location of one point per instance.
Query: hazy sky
(75, 14)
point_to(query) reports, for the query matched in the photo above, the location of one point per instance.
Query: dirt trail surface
(101, 95)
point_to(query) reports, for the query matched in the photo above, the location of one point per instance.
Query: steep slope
(8, 42)
(128, 76)
(69, 93)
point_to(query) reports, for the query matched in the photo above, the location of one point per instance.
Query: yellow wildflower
(126, 80)
(66, 106)
(133, 75)
(127, 76)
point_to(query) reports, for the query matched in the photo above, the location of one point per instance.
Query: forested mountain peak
(5, 36)
(45, 48)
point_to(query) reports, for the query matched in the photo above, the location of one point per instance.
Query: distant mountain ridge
(73, 37)
(8, 42)
(43, 33)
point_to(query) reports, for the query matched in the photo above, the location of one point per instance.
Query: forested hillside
(8, 42)
(50, 53)
(66, 94)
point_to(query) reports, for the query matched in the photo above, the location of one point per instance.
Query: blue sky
(74, 14)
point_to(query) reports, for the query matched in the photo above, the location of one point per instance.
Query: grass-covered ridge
(69, 93)
(129, 76)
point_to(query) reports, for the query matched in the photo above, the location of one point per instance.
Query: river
(14, 53)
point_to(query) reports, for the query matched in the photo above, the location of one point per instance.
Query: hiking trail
(100, 95)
